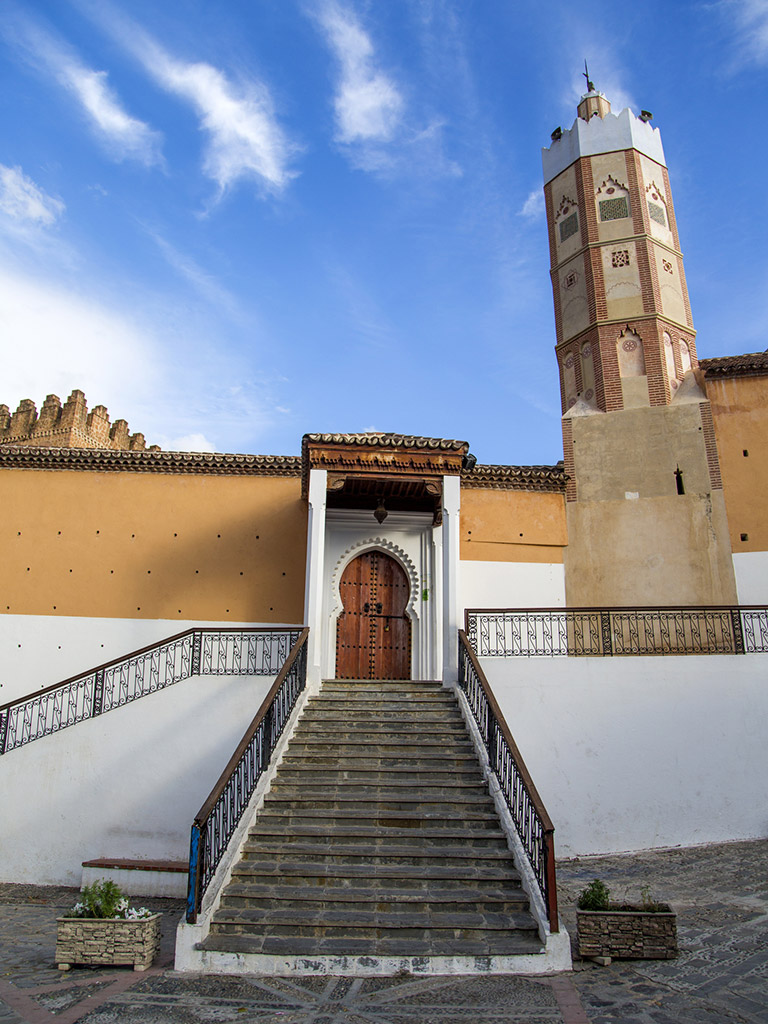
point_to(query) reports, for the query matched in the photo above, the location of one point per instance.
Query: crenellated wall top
(66, 426)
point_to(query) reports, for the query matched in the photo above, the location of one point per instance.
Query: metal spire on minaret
(592, 102)
(585, 72)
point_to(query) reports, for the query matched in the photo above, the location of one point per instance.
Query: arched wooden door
(373, 633)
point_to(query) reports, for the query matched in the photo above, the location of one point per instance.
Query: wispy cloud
(124, 137)
(368, 103)
(186, 443)
(127, 137)
(202, 282)
(21, 200)
(533, 207)
(77, 342)
(608, 79)
(749, 18)
(244, 137)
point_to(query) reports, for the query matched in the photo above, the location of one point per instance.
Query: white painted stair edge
(557, 945)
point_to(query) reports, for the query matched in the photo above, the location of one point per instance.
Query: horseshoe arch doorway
(373, 632)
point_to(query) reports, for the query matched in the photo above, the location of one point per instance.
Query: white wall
(751, 569)
(38, 650)
(512, 585)
(126, 784)
(635, 753)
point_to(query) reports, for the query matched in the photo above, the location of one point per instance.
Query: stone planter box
(633, 934)
(110, 941)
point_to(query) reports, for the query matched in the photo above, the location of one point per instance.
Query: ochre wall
(152, 545)
(512, 526)
(740, 412)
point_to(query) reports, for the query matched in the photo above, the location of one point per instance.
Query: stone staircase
(378, 838)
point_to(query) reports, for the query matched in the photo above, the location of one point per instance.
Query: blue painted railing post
(194, 860)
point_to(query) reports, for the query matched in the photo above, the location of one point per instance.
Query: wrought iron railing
(218, 818)
(223, 651)
(601, 632)
(532, 822)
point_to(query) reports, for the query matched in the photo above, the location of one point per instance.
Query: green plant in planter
(103, 899)
(596, 896)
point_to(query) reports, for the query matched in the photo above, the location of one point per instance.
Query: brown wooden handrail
(505, 732)
(559, 609)
(217, 820)
(218, 789)
(549, 888)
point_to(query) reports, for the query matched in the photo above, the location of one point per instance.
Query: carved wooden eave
(389, 462)
(105, 460)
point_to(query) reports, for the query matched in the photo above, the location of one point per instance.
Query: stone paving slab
(721, 976)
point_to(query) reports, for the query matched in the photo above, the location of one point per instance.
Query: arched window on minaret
(569, 379)
(631, 355)
(657, 205)
(566, 219)
(587, 373)
(669, 361)
(612, 200)
(685, 356)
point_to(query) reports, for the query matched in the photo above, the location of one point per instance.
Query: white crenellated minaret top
(598, 130)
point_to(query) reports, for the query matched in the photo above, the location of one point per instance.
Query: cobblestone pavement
(721, 975)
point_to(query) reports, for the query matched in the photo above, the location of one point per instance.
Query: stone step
(368, 924)
(428, 900)
(381, 716)
(494, 944)
(375, 776)
(387, 792)
(374, 837)
(470, 819)
(362, 759)
(344, 730)
(376, 702)
(422, 876)
(378, 684)
(307, 852)
(459, 801)
(377, 748)
(398, 691)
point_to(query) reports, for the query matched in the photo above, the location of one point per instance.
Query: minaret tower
(646, 517)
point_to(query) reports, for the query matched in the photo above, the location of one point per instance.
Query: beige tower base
(633, 539)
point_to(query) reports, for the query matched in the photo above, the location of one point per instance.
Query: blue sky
(235, 221)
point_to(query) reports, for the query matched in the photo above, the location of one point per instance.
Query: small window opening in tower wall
(620, 258)
(614, 209)
(745, 453)
(569, 226)
(679, 481)
(745, 536)
(657, 213)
